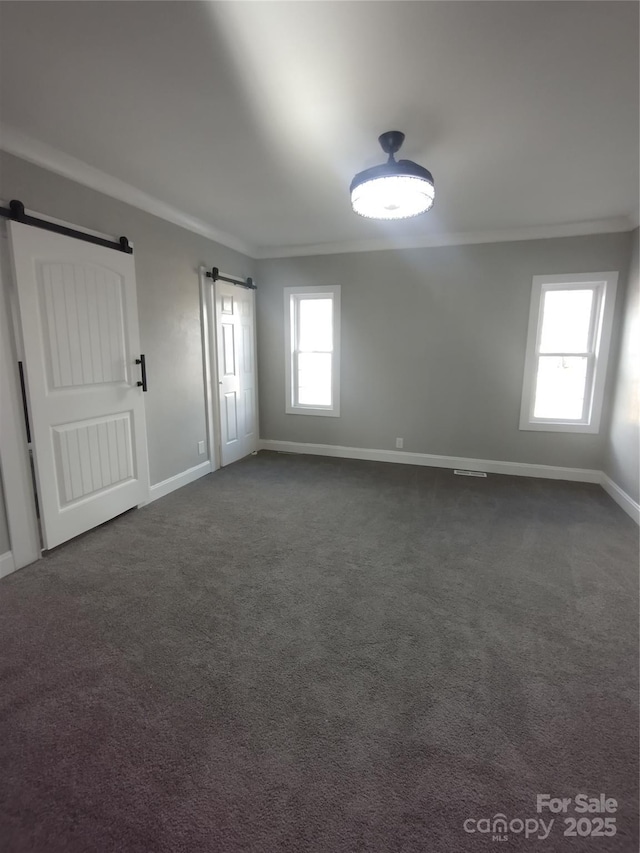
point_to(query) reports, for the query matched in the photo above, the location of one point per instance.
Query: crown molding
(16, 142)
(507, 235)
(46, 156)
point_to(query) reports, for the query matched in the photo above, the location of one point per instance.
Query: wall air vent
(464, 473)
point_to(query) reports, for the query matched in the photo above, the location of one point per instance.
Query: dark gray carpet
(305, 654)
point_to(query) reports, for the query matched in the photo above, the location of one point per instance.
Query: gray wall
(167, 259)
(432, 339)
(621, 459)
(433, 345)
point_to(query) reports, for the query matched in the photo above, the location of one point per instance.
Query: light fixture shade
(394, 190)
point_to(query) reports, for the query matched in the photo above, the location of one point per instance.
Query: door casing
(24, 535)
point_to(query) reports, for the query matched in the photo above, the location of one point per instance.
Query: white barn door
(79, 318)
(235, 334)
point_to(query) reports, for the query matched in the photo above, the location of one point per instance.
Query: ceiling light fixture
(394, 190)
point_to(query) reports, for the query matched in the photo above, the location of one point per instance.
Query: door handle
(23, 391)
(143, 369)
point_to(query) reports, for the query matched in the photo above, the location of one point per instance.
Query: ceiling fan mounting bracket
(391, 141)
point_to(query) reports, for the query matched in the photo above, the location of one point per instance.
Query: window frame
(604, 285)
(292, 298)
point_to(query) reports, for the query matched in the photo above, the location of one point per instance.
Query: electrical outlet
(201, 450)
(399, 443)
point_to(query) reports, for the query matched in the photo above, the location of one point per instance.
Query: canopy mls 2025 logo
(591, 818)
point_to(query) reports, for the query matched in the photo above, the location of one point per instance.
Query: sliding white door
(79, 320)
(235, 334)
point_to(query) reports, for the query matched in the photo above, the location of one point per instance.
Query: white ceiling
(251, 118)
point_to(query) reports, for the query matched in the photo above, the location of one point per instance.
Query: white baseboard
(7, 564)
(403, 457)
(621, 497)
(519, 469)
(159, 490)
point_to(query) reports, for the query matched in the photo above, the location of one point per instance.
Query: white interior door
(235, 335)
(79, 318)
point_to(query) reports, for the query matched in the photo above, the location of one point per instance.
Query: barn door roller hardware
(16, 213)
(214, 274)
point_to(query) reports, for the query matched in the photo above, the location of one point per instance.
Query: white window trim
(606, 283)
(318, 292)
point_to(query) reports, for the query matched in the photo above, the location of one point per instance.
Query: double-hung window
(567, 350)
(312, 350)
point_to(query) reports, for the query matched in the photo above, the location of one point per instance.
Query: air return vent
(464, 473)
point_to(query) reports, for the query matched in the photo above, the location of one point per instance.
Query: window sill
(309, 410)
(560, 426)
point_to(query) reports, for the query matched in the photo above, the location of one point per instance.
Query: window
(312, 349)
(567, 350)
